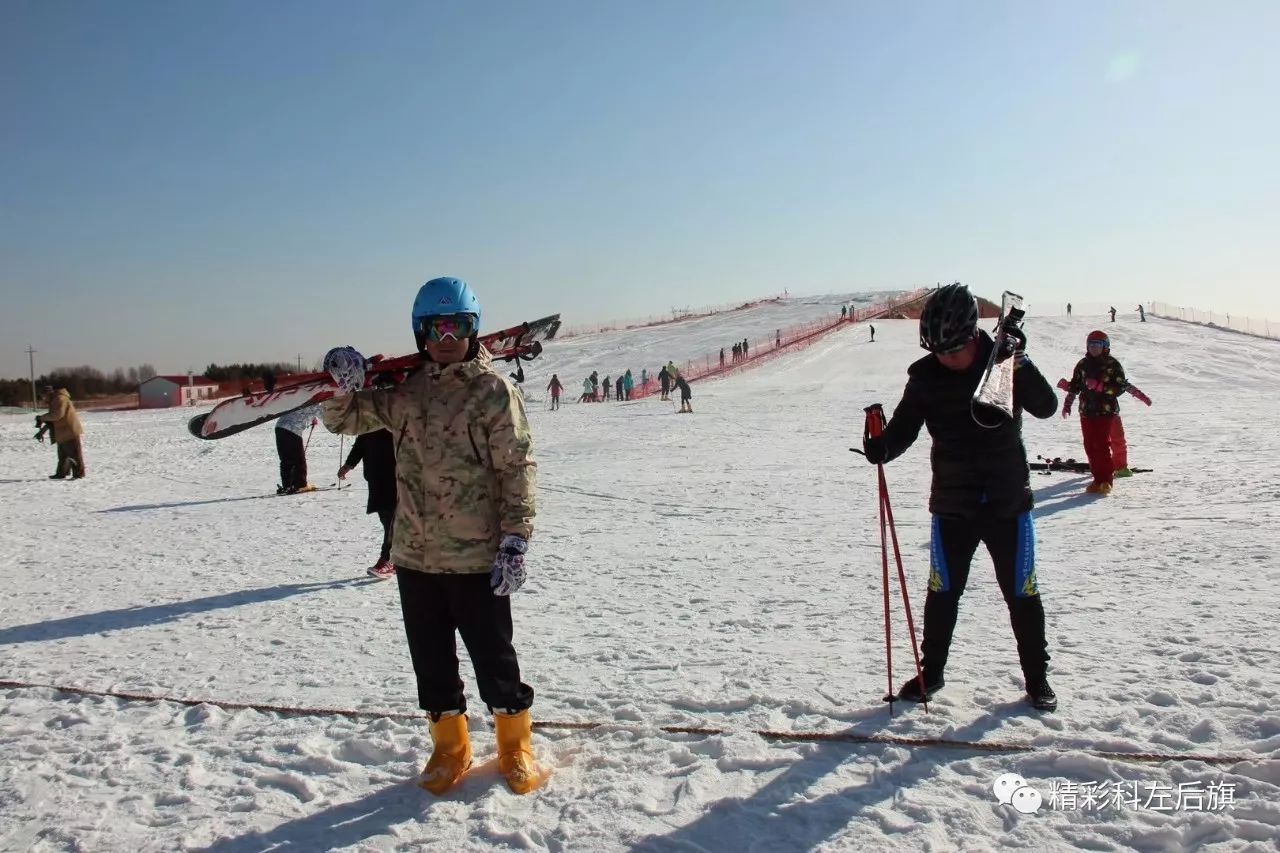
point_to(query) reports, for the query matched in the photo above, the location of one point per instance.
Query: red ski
(523, 342)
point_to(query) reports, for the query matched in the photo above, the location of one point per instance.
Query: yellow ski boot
(451, 755)
(515, 751)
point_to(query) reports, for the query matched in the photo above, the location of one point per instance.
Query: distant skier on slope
(664, 383)
(377, 450)
(981, 488)
(555, 387)
(464, 459)
(685, 394)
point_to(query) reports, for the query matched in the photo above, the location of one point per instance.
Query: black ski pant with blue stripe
(1011, 544)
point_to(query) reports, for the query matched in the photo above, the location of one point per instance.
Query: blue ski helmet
(444, 296)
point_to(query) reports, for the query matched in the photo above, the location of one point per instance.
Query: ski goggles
(1097, 345)
(456, 326)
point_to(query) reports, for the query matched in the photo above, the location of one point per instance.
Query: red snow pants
(1119, 449)
(1097, 446)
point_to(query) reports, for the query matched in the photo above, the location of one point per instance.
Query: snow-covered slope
(720, 569)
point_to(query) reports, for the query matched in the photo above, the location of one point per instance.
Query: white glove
(346, 365)
(508, 572)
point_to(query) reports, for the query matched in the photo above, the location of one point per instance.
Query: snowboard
(523, 343)
(992, 403)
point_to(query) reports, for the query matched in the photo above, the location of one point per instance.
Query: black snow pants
(387, 515)
(435, 606)
(1011, 544)
(293, 459)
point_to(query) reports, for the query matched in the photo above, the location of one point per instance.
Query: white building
(160, 392)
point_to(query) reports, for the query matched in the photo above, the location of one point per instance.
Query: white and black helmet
(949, 319)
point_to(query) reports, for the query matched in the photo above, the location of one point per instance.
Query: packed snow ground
(719, 569)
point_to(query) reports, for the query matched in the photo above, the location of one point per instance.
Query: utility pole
(31, 360)
(299, 362)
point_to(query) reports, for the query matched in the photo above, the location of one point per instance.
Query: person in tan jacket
(465, 480)
(65, 423)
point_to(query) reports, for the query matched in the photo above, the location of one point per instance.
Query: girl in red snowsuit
(1098, 380)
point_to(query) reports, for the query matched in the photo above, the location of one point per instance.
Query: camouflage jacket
(465, 473)
(1099, 381)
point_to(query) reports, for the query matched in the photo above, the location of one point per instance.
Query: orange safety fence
(787, 340)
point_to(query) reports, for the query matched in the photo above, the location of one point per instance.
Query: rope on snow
(708, 731)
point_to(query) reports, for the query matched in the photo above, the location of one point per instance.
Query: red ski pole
(874, 428)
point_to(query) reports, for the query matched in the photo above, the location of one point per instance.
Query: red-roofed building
(160, 392)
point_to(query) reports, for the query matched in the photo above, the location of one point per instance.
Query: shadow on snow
(782, 816)
(137, 617)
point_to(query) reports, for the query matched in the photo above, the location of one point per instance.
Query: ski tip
(196, 425)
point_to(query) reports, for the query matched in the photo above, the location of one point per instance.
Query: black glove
(875, 450)
(1013, 342)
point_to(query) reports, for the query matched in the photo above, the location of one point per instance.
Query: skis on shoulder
(992, 403)
(518, 343)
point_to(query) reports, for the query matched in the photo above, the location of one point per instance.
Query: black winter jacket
(378, 452)
(973, 466)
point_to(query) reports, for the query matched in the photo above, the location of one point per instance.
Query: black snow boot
(910, 691)
(1041, 695)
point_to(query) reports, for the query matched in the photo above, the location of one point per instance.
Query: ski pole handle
(874, 425)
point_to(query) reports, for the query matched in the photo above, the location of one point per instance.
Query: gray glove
(347, 367)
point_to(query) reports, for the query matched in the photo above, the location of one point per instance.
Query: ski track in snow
(719, 569)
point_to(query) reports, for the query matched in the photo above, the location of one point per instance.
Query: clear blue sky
(190, 182)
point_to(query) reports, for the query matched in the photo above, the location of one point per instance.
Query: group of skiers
(465, 472)
(1142, 312)
(981, 490)
(740, 351)
(619, 388)
(454, 439)
(622, 388)
(669, 377)
(448, 457)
